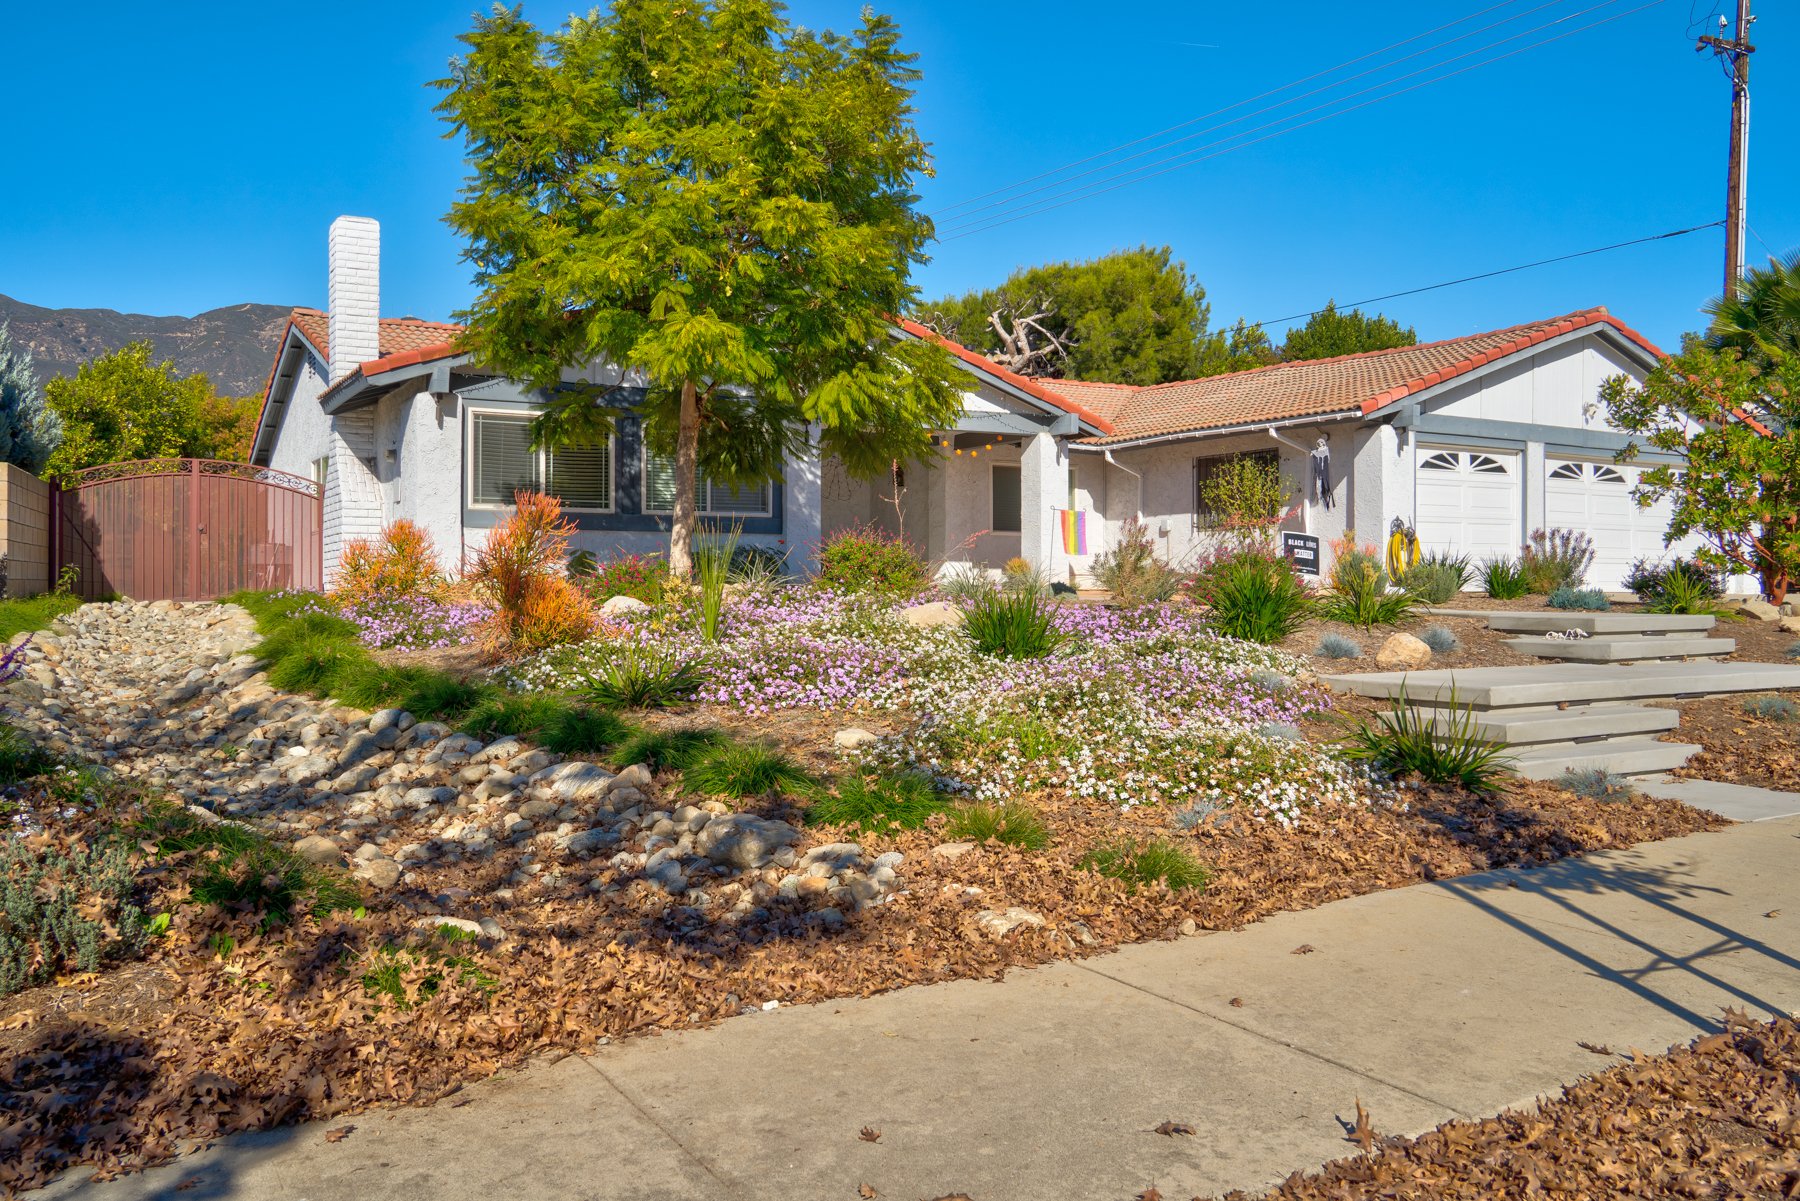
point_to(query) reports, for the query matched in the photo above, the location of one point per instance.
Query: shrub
(64, 910)
(402, 562)
(1245, 495)
(741, 769)
(501, 713)
(1503, 579)
(1020, 576)
(1552, 559)
(1257, 598)
(1013, 625)
(581, 730)
(1132, 571)
(1772, 708)
(1682, 587)
(1441, 639)
(868, 559)
(520, 572)
(1586, 599)
(1010, 823)
(1438, 576)
(1153, 861)
(1597, 784)
(758, 566)
(964, 582)
(642, 577)
(674, 750)
(712, 570)
(1793, 650)
(1193, 816)
(636, 675)
(1336, 646)
(876, 804)
(1449, 751)
(1359, 593)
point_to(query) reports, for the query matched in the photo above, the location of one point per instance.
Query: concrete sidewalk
(1426, 1003)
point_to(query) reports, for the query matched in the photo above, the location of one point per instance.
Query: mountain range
(234, 345)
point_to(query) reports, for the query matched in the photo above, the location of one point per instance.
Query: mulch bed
(1719, 1117)
(280, 1028)
(1739, 748)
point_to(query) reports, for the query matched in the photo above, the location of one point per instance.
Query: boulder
(620, 606)
(742, 841)
(1789, 625)
(1761, 610)
(1402, 652)
(852, 738)
(952, 850)
(999, 923)
(932, 613)
(316, 848)
(380, 873)
(575, 780)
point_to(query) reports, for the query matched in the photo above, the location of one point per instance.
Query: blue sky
(168, 166)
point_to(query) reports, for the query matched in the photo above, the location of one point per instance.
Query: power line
(1451, 283)
(1101, 187)
(1054, 171)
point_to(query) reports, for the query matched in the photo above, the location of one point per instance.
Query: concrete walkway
(1426, 1003)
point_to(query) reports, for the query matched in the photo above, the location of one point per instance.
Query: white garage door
(1596, 497)
(1466, 502)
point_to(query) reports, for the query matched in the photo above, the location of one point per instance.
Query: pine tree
(29, 430)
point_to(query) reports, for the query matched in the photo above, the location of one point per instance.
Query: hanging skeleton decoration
(1321, 473)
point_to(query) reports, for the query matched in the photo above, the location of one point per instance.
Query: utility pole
(1736, 55)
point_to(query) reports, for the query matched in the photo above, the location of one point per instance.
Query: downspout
(1306, 457)
(1138, 512)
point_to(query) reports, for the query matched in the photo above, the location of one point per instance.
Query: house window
(502, 461)
(1008, 500)
(1207, 469)
(714, 499)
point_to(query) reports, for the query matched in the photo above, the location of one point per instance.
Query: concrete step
(1739, 802)
(1522, 727)
(1622, 648)
(1625, 756)
(1655, 624)
(1545, 685)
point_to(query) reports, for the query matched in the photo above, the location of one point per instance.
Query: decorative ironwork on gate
(188, 529)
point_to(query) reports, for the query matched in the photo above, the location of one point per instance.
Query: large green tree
(1130, 317)
(125, 406)
(1239, 348)
(701, 191)
(1331, 332)
(29, 431)
(1736, 423)
(1761, 316)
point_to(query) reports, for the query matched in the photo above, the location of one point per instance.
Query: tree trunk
(687, 459)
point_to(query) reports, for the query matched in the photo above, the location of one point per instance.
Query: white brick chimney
(354, 293)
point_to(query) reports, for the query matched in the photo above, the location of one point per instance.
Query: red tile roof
(399, 336)
(1319, 387)
(1031, 387)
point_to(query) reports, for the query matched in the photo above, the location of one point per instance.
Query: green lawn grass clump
(34, 613)
(1152, 861)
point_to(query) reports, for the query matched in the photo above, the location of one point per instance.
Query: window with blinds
(502, 461)
(715, 500)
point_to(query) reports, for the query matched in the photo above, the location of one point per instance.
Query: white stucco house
(1475, 440)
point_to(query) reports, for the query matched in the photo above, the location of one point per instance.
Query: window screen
(580, 476)
(1007, 503)
(504, 460)
(713, 499)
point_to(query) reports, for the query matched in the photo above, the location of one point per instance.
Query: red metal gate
(188, 529)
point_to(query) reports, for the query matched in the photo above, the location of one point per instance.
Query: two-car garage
(1471, 501)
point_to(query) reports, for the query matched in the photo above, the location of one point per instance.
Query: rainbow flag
(1074, 531)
